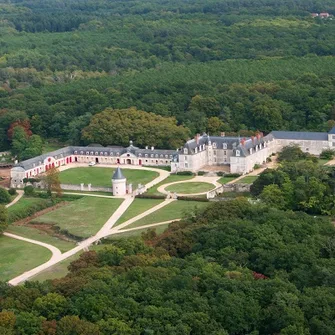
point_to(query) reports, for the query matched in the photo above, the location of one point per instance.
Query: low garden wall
(87, 188)
(238, 187)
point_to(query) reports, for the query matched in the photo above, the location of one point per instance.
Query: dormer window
(139, 155)
(96, 153)
(224, 146)
(214, 144)
(74, 153)
(185, 151)
(238, 153)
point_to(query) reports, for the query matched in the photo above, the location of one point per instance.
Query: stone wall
(85, 188)
(238, 187)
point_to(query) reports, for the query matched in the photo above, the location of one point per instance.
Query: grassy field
(172, 178)
(175, 210)
(26, 206)
(83, 217)
(137, 207)
(60, 270)
(36, 234)
(189, 188)
(19, 256)
(247, 180)
(225, 180)
(98, 176)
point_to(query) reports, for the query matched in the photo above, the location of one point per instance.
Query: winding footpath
(108, 228)
(105, 231)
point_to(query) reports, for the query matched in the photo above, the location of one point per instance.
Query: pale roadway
(196, 179)
(104, 231)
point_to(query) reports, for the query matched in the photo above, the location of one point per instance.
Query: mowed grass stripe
(99, 176)
(19, 256)
(42, 236)
(175, 210)
(83, 217)
(189, 188)
(137, 207)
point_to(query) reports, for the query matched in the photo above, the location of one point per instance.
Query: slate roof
(118, 174)
(300, 135)
(92, 150)
(332, 131)
(29, 163)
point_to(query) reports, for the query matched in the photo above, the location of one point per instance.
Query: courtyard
(101, 176)
(76, 224)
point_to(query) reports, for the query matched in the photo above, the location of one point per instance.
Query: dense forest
(235, 268)
(255, 65)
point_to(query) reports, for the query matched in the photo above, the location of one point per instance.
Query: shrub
(232, 175)
(185, 173)
(327, 154)
(149, 196)
(220, 173)
(268, 160)
(184, 198)
(256, 166)
(201, 173)
(29, 190)
(4, 196)
(12, 191)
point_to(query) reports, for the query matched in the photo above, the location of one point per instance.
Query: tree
(51, 306)
(119, 126)
(71, 324)
(291, 153)
(3, 219)
(52, 182)
(273, 196)
(19, 141)
(4, 196)
(215, 125)
(34, 147)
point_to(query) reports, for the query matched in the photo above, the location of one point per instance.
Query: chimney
(146, 147)
(222, 134)
(258, 136)
(152, 148)
(242, 141)
(252, 139)
(196, 138)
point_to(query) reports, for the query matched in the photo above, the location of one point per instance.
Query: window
(214, 144)
(146, 155)
(307, 149)
(237, 153)
(333, 137)
(166, 156)
(96, 153)
(185, 151)
(224, 145)
(225, 153)
(139, 155)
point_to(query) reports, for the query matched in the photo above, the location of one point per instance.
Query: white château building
(238, 155)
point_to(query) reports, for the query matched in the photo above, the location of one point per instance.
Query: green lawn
(98, 176)
(138, 232)
(175, 210)
(172, 178)
(225, 180)
(36, 234)
(19, 256)
(27, 206)
(323, 161)
(60, 270)
(83, 217)
(137, 207)
(247, 180)
(189, 188)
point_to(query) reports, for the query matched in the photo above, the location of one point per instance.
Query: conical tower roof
(118, 174)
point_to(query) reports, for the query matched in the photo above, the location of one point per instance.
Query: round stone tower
(119, 183)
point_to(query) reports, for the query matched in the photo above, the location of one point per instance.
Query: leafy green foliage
(121, 126)
(236, 268)
(4, 196)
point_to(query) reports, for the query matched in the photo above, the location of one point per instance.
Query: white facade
(119, 186)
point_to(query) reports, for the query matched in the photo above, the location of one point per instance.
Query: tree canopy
(124, 125)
